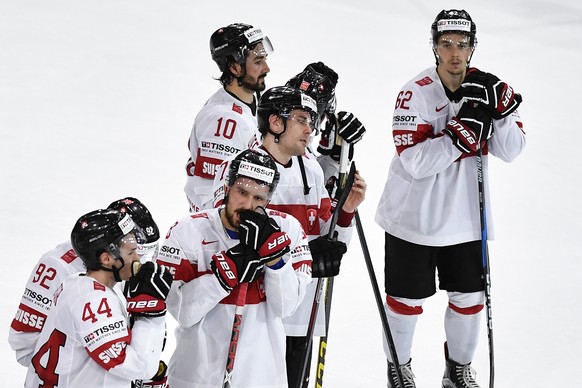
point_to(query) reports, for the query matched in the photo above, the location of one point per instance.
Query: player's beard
(256, 85)
(229, 215)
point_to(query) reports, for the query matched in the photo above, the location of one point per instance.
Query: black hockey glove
(327, 145)
(326, 255)
(350, 128)
(160, 380)
(322, 68)
(148, 289)
(261, 233)
(470, 128)
(239, 264)
(498, 97)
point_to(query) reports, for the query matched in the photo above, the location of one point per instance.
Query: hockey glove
(160, 380)
(327, 145)
(148, 289)
(325, 70)
(239, 264)
(350, 128)
(326, 256)
(470, 128)
(498, 97)
(260, 232)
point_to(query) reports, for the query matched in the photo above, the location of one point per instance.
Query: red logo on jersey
(199, 215)
(437, 109)
(204, 242)
(237, 108)
(69, 256)
(98, 286)
(425, 81)
(311, 219)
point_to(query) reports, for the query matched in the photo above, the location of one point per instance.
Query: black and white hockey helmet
(140, 214)
(100, 231)
(453, 21)
(254, 165)
(318, 81)
(281, 100)
(232, 44)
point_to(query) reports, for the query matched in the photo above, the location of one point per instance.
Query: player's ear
(276, 123)
(106, 259)
(236, 69)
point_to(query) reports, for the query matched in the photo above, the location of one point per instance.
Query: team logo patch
(237, 108)
(69, 256)
(311, 219)
(425, 81)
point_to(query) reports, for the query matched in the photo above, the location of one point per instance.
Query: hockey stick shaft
(378, 297)
(342, 185)
(234, 337)
(320, 281)
(485, 261)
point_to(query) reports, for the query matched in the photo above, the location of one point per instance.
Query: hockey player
(287, 119)
(54, 267)
(87, 340)
(430, 205)
(319, 81)
(211, 253)
(227, 122)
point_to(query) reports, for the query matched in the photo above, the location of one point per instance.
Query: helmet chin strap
(115, 270)
(278, 135)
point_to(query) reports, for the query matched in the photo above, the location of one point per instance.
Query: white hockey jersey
(431, 194)
(313, 210)
(205, 311)
(87, 342)
(51, 270)
(222, 129)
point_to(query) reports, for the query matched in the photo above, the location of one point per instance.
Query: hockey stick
(238, 315)
(342, 185)
(485, 260)
(349, 180)
(379, 302)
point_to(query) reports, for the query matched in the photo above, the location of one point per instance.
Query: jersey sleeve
(47, 275)
(195, 290)
(508, 139)
(423, 150)
(102, 326)
(286, 287)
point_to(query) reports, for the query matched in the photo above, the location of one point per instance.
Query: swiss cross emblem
(311, 219)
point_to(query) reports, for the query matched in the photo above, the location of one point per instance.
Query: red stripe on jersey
(307, 215)
(300, 263)
(255, 293)
(466, 310)
(185, 271)
(206, 167)
(69, 256)
(401, 308)
(404, 139)
(28, 320)
(111, 354)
